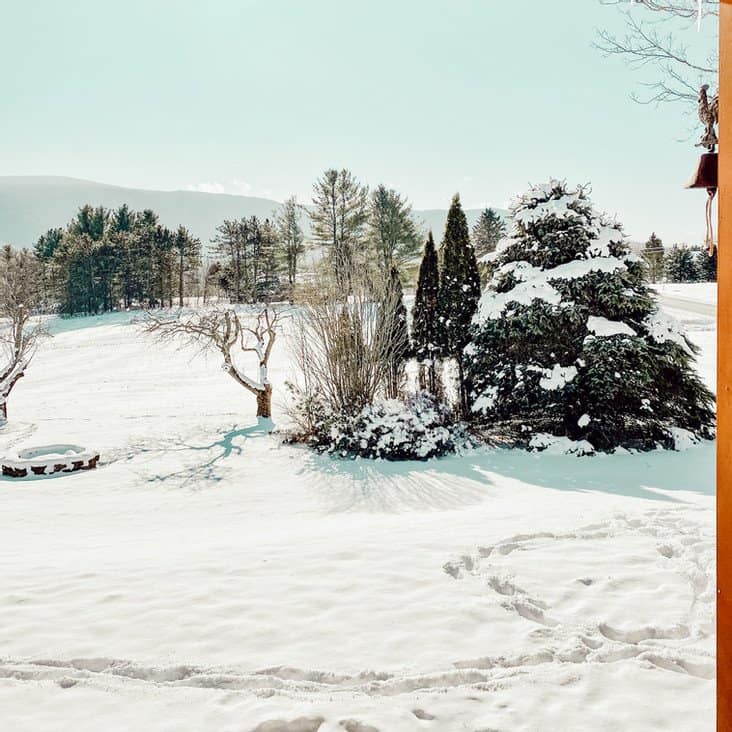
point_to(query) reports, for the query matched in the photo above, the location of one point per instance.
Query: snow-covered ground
(207, 577)
(703, 292)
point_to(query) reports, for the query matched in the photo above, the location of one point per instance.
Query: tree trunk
(180, 282)
(264, 401)
(463, 391)
(431, 379)
(422, 377)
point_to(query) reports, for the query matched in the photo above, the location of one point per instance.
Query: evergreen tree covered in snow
(569, 341)
(489, 229)
(459, 290)
(425, 318)
(681, 265)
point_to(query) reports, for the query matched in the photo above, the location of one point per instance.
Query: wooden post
(724, 379)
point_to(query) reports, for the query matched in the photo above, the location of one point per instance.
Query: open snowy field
(703, 292)
(208, 578)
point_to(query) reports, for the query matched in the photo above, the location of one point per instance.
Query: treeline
(376, 229)
(680, 263)
(110, 258)
(251, 254)
(106, 259)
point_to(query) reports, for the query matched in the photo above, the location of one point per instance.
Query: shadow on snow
(230, 443)
(460, 480)
(450, 482)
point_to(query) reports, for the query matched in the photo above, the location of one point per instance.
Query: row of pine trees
(680, 263)
(105, 259)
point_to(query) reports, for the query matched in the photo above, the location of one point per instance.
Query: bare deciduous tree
(20, 277)
(229, 332)
(652, 39)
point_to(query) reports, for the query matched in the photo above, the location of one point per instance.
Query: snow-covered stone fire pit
(49, 459)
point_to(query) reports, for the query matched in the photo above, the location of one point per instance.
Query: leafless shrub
(343, 348)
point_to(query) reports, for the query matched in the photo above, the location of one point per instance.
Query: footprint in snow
(353, 725)
(301, 724)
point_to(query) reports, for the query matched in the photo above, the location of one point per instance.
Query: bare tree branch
(687, 10)
(224, 330)
(20, 333)
(652, 40)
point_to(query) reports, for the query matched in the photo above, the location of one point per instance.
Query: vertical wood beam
(724, 379)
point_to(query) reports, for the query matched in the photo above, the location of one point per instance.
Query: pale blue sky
(259, 96)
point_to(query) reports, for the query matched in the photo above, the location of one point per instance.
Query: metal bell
(706, 172)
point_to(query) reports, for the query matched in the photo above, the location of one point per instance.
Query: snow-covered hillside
(207, 577)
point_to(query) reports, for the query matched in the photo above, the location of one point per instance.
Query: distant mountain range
(30, 205)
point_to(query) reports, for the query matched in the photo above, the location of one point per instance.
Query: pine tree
(653, 253)
(47, 244)
(707, 265)
(230, 244)
(145, 245)
(681, 265)
(106, 255)
(75, 259)
(44, 250)
(122, 230)
(249, 257)
(569, 341)
(187, 250)
(163, 247)
(290, 237)
(104, 258)
(425, 318)
(90, 222)
(459, 292)
(489, 229)
(338, 218)
(391, 229)
(267, 263)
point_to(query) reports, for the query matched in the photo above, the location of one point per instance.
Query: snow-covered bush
(569, 341)
(415, 429)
